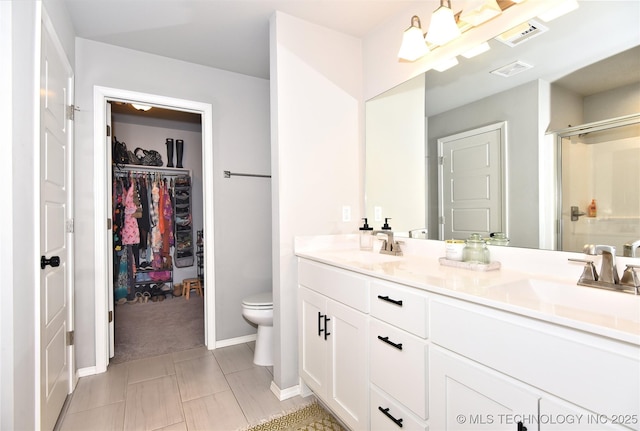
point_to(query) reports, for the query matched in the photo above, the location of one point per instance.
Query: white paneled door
(56, 227)
(472, 189)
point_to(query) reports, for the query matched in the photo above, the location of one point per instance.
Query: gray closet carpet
(143, 330)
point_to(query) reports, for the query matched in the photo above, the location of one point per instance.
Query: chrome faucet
(630, 248)
(608, 268)
(389, 245)
(608, 278)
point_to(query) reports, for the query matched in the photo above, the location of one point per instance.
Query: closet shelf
(150, 169)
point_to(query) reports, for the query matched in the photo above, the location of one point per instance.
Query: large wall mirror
(584, 68)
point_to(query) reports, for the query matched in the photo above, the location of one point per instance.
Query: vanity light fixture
(141, 107)
(443, 27)
(413, 45)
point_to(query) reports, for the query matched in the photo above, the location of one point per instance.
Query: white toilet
(258, 309)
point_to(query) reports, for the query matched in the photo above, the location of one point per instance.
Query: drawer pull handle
(393, 301)
(320, 329)
(323, 328)
(326, 331)
(387, 414)
(389, 342)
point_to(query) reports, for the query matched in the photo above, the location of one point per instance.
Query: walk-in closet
(157, 230)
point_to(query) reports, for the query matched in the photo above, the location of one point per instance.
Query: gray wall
(519, 108)
(241, 143)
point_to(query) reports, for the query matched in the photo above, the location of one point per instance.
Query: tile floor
(197, 389)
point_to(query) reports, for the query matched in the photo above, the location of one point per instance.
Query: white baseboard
(235, 341)
(88, 371)
(284, 394)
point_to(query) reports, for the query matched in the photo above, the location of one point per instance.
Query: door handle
(54, 261)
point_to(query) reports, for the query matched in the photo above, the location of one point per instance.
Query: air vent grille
(522, 33)
(512, 69)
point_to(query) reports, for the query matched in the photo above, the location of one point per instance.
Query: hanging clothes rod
(228, 174)
(150, 170)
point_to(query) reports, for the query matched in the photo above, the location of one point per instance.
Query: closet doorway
(172, 264)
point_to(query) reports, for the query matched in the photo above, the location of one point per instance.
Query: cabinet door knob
(387, 414)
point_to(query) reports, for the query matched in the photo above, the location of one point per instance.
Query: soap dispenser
(386, 226)
(366, 236)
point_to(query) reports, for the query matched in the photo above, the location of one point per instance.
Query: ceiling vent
(512, 69)
(522, 33)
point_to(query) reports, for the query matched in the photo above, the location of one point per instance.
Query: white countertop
(547, 297)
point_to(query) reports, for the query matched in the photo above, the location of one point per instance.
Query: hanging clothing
(156, 235)
(144, 224)
(121, 288)
(130, 231)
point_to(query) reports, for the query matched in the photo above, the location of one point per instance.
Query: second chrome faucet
(608, 277)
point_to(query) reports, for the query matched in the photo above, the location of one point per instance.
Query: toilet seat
(260, 301)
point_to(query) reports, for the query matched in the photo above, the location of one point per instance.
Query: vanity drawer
(400, 306)
(340, 285)
(393, 414)
(398, 365)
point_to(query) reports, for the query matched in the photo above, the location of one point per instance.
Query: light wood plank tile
(217, 412)
(199, 377)
(104, 418)
(150, 368)
(100, 389)
(252, 390)
(153, 404)
(185, 355)
(234, 358)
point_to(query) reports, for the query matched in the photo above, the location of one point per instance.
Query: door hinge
(441, 160)
(109, 224)
(71, 112)
(70, 338)
(108, 130)
(70, 226)
(441, 219)
(110, 316)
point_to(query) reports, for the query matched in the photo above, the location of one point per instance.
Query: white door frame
(101, 164)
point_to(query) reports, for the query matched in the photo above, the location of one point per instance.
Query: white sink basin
(571, 300)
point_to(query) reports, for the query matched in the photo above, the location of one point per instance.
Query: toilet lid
(259, 300)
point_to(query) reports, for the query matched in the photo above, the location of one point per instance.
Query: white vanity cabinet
(418, 359)
(333, 340)
(485, 361)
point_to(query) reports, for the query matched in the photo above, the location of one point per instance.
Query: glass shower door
(600, 185)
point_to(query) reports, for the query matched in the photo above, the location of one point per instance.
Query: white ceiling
(231, 35)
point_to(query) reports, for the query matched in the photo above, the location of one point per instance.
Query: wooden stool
(191, 283)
